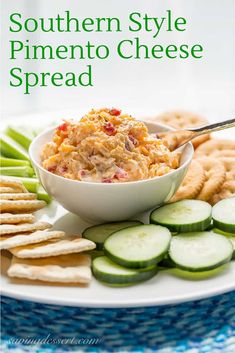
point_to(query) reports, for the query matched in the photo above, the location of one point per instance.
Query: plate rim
(112, 305)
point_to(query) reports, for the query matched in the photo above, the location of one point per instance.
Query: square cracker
(67, 245)
(72, 268)
(9, 218)
(25, 239)
(7, 189)
(21, 206)
(9, 229)
(14, 184)
(18, 196)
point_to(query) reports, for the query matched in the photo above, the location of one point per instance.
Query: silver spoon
(178, 138)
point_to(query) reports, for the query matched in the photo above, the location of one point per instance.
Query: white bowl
(101, 202)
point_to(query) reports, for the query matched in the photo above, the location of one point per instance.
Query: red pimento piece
(64, 169)
(107, 180)
(115, 112)
(51, 169)
(62, 127)
(110, 129)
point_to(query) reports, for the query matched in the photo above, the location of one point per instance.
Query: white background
(139, 87)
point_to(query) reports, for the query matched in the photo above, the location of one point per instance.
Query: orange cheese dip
(107, 146)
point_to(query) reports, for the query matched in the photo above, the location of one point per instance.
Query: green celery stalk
(10, 162)
(12, 149)
(20, 135)
(43, 195)
(31, 184)
(23, 171)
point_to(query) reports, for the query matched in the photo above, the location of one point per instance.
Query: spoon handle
(213, 127)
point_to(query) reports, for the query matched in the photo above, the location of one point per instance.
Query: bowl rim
(142, 181)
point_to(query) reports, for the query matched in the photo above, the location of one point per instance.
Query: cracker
(18, 196)
(25, 239)
(6, 189)
(9, 218)
(229, 164)
(72, 268)
(182, 120)
(174, 138)
(9, 229)
(222, 153)
(228, 187)
(21, 206)
(213, 146)
(215, 177)
(69, 245)
(227, 190)
(14, 184)
(197, 141)
(192, 183)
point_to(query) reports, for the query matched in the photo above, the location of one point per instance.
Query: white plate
(165, 288)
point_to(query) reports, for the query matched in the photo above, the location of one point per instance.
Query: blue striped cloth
(205, 326)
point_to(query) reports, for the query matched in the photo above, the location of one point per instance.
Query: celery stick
(23, 171)
(43, 195)
(20, 135)
(12, 149)
(31, 184)
(10, 162)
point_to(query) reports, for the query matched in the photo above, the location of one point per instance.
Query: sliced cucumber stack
(105, 270)
(95, 253)
(183, 216)
(230, 236)
(200, 251)
(223, 214)
(166, 263)
(99, 233)
(138, 246)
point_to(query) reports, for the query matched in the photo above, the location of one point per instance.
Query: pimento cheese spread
(109, 147)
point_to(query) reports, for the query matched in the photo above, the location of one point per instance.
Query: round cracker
(228, 187)
(209, 147)
(215, 177)
(229, 164)
(227, 190)
(181, 119)
(223, 153)
(197, 141)
(192, 183)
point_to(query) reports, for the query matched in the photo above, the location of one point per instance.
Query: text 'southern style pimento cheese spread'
(107, 146)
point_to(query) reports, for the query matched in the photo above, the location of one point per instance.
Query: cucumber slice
(230, 236)
(223, 214)
(20, 135)
(12, 149)
(138, 246)
(95, 253)
(200, 251)
(98, 234)
(109, 272)
(166, 263)
(183, 216)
